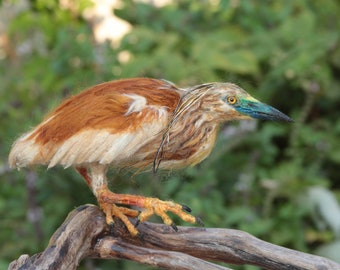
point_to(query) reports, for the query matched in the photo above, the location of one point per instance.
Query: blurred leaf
(330, 250)
(325, 205)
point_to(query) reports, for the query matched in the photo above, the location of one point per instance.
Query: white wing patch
(138, 103)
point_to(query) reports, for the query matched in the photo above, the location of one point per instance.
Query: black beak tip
(287, 119)
(280, 116)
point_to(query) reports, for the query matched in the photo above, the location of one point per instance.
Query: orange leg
(107, 201)
(83, 172)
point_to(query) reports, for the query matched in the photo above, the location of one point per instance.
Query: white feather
(138, 103)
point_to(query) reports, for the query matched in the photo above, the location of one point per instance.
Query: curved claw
(186, 208)
(137, 223)
(173, 225)
(111, 228)
(199, 221)
(141, 237)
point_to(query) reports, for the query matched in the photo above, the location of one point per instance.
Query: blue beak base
(259, 110)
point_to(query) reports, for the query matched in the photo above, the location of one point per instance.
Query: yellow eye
(232, 100)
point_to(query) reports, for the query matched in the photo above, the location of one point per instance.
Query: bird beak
(256, 109)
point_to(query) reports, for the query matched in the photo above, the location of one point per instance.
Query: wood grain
(84, 234)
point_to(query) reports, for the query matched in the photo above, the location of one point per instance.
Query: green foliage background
(279, 182)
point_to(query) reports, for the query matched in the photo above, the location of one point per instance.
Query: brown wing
(107, 124)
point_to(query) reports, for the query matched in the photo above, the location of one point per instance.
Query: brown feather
(104, 107)
(136, 123)
(100, 108)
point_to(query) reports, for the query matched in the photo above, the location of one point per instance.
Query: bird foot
(151, 206)
(154, 206)
(111, 210)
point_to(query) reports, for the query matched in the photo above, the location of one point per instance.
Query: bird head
(227, 101)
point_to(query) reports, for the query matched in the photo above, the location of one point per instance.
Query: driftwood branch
(85, 234)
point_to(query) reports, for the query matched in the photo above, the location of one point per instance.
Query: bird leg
(110, 209)
(108, 201)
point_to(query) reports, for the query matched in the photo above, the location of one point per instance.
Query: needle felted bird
(138, 123)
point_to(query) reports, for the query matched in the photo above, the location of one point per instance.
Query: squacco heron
(140, 123)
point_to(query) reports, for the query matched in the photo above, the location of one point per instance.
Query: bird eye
(232, 100)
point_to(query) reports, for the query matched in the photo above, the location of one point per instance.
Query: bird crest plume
(189, 101)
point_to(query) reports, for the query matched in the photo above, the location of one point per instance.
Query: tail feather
(23, 153)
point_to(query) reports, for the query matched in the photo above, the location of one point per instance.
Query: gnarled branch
(85, 234)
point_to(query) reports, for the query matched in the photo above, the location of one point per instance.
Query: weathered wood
(85, 234)
(71, 243)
